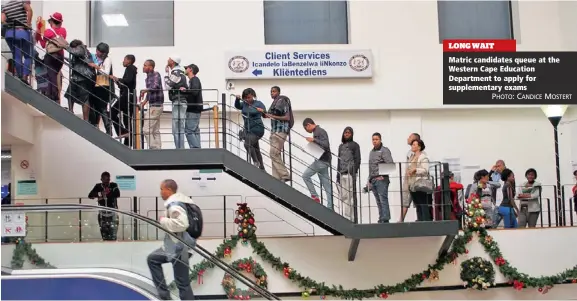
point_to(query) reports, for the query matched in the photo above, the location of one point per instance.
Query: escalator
(225, 159)
(109, 271)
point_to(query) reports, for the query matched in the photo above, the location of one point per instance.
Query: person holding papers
(321, 165)
(379, 184)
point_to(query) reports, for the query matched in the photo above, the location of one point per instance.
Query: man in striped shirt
(16, 18)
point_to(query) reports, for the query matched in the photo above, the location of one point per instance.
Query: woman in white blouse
(418, 172)
(103, 90)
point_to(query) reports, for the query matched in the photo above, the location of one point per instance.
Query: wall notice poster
(126, 182)
(26, 187)
(13, 224)
(208, 176)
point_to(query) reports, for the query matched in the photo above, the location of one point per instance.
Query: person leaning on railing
(529, 198)
(16, 20)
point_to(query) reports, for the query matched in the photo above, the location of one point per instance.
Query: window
(305, 22)
(132, 23)
(475, 20)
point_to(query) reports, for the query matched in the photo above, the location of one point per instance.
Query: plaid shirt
(155, 95)
(279, 108)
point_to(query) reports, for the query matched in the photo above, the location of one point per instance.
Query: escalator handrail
(198, 249)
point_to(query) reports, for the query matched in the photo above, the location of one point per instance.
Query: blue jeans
(509, 218)
(322, 169)
(19, 42)
(178, 122)
(192, 129)
(381, 192)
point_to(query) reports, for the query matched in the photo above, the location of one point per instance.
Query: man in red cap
(53, 60)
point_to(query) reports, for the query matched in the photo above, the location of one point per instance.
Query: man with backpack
(184, 220)
(281, 122)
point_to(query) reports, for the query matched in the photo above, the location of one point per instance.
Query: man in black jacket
(107, 194)
(194, 107)
(348, 168)
(321, 165)
(124, 125)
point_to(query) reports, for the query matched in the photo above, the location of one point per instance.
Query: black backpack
(292, 118)
(194, 218)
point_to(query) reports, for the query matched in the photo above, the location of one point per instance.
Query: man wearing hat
(176, 82)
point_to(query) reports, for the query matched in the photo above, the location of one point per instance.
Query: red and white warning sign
(24, 164)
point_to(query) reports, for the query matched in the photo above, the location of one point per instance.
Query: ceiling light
(112, 20)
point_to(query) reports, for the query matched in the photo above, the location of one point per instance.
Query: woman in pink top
(53, 61)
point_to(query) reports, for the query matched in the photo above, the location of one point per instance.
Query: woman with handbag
(54, 42)
(419, 181)
(103, 90)
(82, 78)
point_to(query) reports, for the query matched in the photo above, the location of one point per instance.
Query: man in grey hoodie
(175, 220)
(348, 169)
(321, 165)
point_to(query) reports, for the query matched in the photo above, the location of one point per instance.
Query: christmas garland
(475, 221)
(477, 273)
(251, 266)
(475, 217)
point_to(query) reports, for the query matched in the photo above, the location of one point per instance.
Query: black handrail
(198, 249)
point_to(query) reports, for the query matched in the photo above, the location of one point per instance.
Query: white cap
(175, 58)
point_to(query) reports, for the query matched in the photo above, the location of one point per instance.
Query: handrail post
(224, 218)
(80, 221)
(290, 157)
(135, 222)
(156, 211)
(402, 191)
(215, 119)
(224, 118)
(446, 202)
(46, 223)
(137, 121)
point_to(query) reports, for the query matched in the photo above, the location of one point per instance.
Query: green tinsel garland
(431, 272)
(24, 249)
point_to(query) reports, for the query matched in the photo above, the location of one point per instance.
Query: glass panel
(305, 22)
(474, 20)
(132, 23)
(127, 256)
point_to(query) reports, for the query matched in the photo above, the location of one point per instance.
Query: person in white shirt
(175, 220)
(407, 199)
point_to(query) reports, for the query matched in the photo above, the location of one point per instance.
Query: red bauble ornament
(236, 297)
(251, 221)
(574, 281)
(424, 276)
(466, 251)
(540, 290)
(384, 295)
(236, 221)
(247, 297)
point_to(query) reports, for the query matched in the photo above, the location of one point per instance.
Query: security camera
(230, 86)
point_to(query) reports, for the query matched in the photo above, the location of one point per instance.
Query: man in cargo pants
(175, 220)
